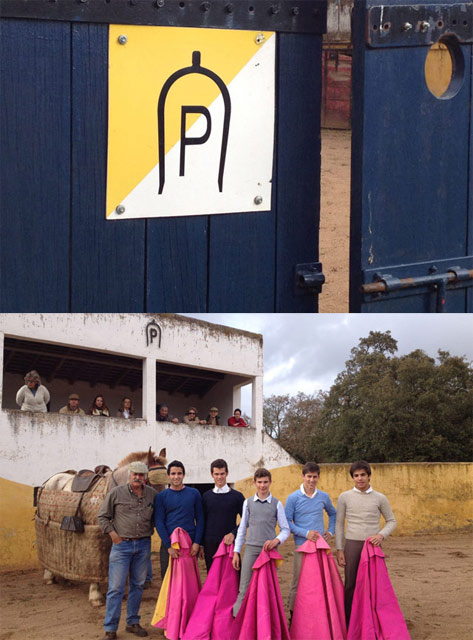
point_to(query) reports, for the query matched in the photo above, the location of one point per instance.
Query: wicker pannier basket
(75, 556)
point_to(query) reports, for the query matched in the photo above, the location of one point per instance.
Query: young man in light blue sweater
(305, 514)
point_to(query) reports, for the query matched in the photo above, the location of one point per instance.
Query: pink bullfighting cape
(375, 614)
(180, 588)
(262, 616)
(212, 616)
(319, 612)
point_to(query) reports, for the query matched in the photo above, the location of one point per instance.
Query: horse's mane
(140, 456)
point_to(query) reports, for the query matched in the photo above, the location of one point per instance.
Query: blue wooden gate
(59, 254)
(412, 160)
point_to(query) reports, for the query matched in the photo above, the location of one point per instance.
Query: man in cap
(213, 418)
(127, 516)
(72, 406)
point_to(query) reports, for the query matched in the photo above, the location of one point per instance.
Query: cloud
(305, 352)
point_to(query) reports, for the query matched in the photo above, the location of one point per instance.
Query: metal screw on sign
(229, 8)
(258, 200)
(406, 26)
(274, 9)
(295, 11)
(120, 209)
(160, 3)
(205, 6)
(122, 39)
(259, 38)
(424, 25)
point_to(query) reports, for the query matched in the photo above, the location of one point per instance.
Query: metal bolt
(258, 199)
(295, 11)
(274, 9)
(120, 209)
(205, 6)
(423, 25)
(84, 1)
(160, 4)
(122, 39)
(260, 38)
(406, 26)
(229, 8)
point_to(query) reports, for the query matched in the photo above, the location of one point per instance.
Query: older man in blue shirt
(305, 514)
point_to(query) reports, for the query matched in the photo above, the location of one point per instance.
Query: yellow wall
(425, 498)
(17, 536)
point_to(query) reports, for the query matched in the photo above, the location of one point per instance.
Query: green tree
(293, 421)
(387, 408)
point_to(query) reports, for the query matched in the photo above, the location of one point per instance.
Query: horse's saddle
(85, 479)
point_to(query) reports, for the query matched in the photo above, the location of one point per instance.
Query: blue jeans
(130, 557)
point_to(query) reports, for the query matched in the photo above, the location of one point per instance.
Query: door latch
(308, 278)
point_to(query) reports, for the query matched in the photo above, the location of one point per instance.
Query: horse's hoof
(97, 603)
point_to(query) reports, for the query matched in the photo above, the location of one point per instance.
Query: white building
(155, 359)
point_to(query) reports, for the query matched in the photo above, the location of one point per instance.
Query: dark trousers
(163, 560)
(352, 550)
(210, 548)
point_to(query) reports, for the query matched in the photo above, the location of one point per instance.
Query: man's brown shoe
(110, 635)
(136, 629)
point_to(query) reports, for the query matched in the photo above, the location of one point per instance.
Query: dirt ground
(432, 577)
(335, 220)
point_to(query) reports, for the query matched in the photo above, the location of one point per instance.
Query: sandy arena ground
(432, 577)
(335, 220)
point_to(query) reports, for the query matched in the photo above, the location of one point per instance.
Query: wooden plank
(108, 257)
(242, 255)
(176, 263)
(298, 165)
(35, 166)
(469, 217)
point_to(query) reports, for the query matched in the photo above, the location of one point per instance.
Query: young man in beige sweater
(361, 507)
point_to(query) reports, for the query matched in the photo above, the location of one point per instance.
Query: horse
(56, 492)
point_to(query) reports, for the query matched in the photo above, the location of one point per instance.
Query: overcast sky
(305, 352)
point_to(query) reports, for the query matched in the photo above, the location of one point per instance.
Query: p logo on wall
(191, 121)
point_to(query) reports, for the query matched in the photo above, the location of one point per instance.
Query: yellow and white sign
(191, 121)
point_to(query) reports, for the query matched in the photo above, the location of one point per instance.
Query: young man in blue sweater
(305, 514)
(222, 505)
(178, 506)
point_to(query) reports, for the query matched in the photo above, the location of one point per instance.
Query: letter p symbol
(188, 141)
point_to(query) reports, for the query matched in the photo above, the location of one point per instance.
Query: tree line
(382, 407)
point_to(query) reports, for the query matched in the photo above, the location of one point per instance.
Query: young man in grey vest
(260, 515)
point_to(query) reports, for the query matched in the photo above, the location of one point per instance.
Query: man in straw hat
(127, 516)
